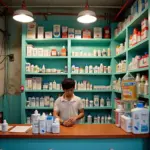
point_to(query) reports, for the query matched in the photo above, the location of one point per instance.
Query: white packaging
(28, 67)
(34, 83)
(31, 30)
(40, 51)
(38, 83)
(48, 35)
(86, 102)
(56, 126)
(86, 69)
(126, 123)
(140, 119)
(146, 88)
(51, 102)
(54, 85)
(99, 52)
(56, 31)
(28, 120)
(91, 103)
(37, 102)
(41, 102)
(97, 32)
(70, 32)
(98, 119)
(35, 122)
(42, 124)
(78, 34)
(102, 102)
(89, 119)
(50, 86)
(29, 83)
(34, 52)
(118, 113)
(96, 100)
(40, 34)
(90, 69)
(45, 53)
(64, 31)
(102, 120)
(29, 50)
(49, 122)
(46, 101)
(4, 126)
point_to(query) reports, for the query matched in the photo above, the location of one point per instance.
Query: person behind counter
(68, 108)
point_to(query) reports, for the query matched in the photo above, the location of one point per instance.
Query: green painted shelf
(139, 70)
(93, 91)
(121, 36)
(46, 74)
(119, 73)
(144, 96)
(42, 91)
(92, 74)
(91, 41)
(137, 20)
(98, 108)
(121, 55)
(46, 41)
(90, 57)
(46, 108)
(42, 57)
(141, 45)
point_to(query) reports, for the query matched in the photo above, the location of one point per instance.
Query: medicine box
(29, 50)
(40, 51)
(126, 123)
(34, 83)
(56, 31)
(78, 34)
(70, 32)
(31, 30)
(48, 35)
(38, 83)
(97, 32)
(40, 34)
(64, 32)
(34, 52)
(87, 34)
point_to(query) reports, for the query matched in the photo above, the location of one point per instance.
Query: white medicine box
(29, 50)
(31, 30)
(48, 35)
(40, 33)
(97, 32)
(70, 32)
(78, 34)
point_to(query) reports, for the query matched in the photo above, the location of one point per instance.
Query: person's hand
(73, 120)
(67, 123)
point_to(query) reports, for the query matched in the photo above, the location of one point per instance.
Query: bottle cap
(36, 112)
(4, 121)
(140, 105)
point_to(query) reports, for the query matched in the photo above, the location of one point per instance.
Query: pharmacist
(68, 108)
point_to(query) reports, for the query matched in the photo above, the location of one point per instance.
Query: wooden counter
(80, 131)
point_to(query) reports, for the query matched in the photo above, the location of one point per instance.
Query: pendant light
(86, 16)
(23, 15)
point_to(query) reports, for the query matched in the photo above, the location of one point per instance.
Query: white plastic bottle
(102, 102)
(118, 113)
(89, 119)
(109, 119)
(86, 69)
(90, 69)
(101, 68)
(102, 120)
(49, 122)
(56, 126)
(146, 88)
(86, 102)
(106, 119)
(42, 125)
(108, 52)
(137, 79)
(50, 86)
(140, 119)
(54, 85)
(108, 103)
(73, 68)
(35, 122)
(4, 126)
(96, 100)
(98, 119)
(43, 69)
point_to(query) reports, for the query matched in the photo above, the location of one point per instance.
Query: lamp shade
(23, 16)
(86, 16)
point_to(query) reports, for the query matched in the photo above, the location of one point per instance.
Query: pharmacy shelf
(144, 96)
(117, 91)
(46, 74)
(49, 57)
(121, 36)
(91, 41)
(137, 20)
(38, 108)
(139, 70)
(86, 91)
(92, 74)
(46, 41)
(119, 73)
(90, 57)
(140, 46)
(43, 91)
(98, 108)
(121, 55)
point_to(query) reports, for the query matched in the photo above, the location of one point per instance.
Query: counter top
(80, 131)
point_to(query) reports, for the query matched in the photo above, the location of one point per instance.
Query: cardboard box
(48, 35)
(64, 32)
(78, 34)
(86, 34)
(56, 31)
(40, 51)
(34, 52)
(97, 32)
(29, 50)
(38, 83)
(70, 32)
(40, 34)
(31, 30)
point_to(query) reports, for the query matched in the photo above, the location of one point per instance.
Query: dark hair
(68, 83)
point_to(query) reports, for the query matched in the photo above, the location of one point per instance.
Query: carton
(70, 32)
(56, 31)
(40, 51)
(48, 35)
(40, 34)
(78, 34)
(38, 83)
(31, 30)
(29, 50)
(64, 32)
(97, 32)
(86, 34)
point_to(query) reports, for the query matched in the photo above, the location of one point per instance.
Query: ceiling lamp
(23, 15)
(86, 16)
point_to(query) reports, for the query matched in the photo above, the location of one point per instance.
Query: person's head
(68, 86)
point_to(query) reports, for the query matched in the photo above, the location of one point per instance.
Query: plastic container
(126, 123)
(35, 122)
(89, 119)
(118, 112)
(4, 126)
(129, 90)
(49, 122)
(140, 119)
(56, 126)
(42, 124)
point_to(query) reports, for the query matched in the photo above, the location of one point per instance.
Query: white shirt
(67, 109)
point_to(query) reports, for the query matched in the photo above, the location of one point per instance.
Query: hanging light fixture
(23, 15)
(86, 16)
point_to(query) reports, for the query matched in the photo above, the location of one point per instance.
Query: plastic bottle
(4, 126)
(95, 119)
(108, 52)
(86, 69)
(99, 53)
(63, 51)
(56, 126)
(43, 69)
(32, 102)
(66, 69)
(146, 88)
(108, 103)
(140, 119)
(118, 113)
(109, 119)
(86, 102)
(106, 119)
(142, 84)
(89, 119)
(101, 68)
(73, 68)
(49, 122)
(50, 86)
(51, 102)
(98, 119)
(54, 85)
(90, 69)
(96, 100)
(42, 124)
(137, 79)
(37, 102)
(102, 120)
(35, 122)
(102, 102)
